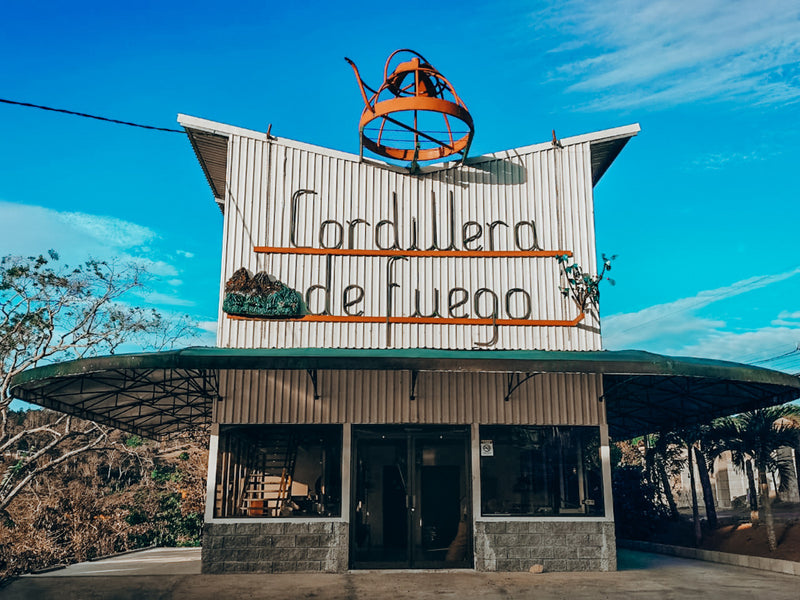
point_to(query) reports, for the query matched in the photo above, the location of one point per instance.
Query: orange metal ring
(413, 87)
(439, 105)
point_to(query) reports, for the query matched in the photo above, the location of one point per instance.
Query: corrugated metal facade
(551, 187)
(547, 184)
(384, 397)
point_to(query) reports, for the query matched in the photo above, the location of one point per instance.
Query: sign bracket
(312, 375)
(512, 385)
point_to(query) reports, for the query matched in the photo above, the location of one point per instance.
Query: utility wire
(771, 358)
(79, 114)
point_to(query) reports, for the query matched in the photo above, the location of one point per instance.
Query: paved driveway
(174, 573)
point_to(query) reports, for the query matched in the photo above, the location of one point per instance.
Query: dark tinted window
(541, 471)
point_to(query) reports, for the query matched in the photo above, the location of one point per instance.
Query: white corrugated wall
(551, 187)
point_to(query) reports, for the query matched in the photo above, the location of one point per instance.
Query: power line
(772, 358)
(88, 116)
(771, 352)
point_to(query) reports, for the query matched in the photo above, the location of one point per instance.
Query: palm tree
(710, 444)
(690, 436)
(664, 459)
(756, 436)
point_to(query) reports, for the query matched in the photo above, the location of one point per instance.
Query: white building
(398, 379)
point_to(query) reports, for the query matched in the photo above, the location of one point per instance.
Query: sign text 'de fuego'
(396, 243)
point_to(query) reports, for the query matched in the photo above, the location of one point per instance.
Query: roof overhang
(157, 394)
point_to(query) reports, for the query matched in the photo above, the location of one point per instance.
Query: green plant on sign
(582, 287)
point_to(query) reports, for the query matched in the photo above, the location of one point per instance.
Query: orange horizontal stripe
(414, 253)
(419, 320)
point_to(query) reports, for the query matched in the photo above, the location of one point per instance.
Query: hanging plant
(582, 287)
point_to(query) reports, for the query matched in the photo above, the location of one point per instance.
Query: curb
(64, 566)
(107, 556)
(775, 565)
(46, 569)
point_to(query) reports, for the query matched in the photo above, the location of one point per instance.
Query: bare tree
(51, 312)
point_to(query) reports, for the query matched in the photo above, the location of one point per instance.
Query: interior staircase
(267, 482)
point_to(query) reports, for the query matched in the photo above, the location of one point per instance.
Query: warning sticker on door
(487, 448)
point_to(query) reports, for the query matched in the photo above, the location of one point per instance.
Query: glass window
(279, 471)
(541, 471)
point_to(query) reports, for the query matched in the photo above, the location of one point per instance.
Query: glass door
(411, 499)
(379, 531)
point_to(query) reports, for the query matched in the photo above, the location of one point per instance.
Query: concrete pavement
(173, 574)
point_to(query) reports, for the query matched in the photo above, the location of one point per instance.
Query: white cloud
(154, 267)
(720, 160)
(785, 314)
(664, 322)
(208, 337)
(747, 346)
(158, 298)
(787, 319)
(108, 230)
(210, 326)
(32, 230)
(645, 52)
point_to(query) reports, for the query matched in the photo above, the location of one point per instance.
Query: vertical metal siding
(552, 187)
(384, 397)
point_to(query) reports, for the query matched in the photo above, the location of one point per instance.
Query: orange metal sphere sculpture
(412, 114)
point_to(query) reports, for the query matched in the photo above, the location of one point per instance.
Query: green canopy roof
(156, 394)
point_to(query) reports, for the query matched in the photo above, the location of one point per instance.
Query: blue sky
(701, 208)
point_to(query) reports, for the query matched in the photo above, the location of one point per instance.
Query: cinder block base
(557, 546)
(263, 547)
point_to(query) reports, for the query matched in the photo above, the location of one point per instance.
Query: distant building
(729, 485)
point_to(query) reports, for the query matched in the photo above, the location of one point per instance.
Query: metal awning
(160, 393)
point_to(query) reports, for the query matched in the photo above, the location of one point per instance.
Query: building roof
(157, 394)
(210, 143)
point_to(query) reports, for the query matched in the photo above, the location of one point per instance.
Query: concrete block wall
(264, 547)
(557, 546)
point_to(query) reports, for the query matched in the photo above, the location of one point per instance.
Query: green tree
(51, 312)
(690, 436)
(756, 436)
(710, 444)
(665, 459)
(637, 508)
(702, 445)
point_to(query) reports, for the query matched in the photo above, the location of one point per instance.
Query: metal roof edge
(615, 133)
(213, 127)
(201, 158)
(616, 362)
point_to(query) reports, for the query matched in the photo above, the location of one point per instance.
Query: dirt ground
(738, 535)
(743, 538)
